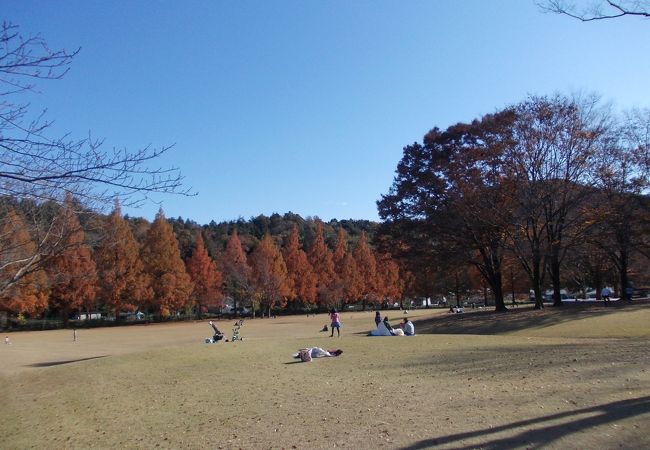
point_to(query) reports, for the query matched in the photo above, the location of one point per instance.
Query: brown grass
(567, 379)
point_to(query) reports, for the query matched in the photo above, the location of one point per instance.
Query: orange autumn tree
(235, 270)
(367, 267)
(269, 274)
(340, 249)
(161, 255)
(389, 284)
(300, 276)
(347, 285)
(123, 285)
(205, 278)
(351, 280)
(72, 272)
(323, 265)
(26, 293)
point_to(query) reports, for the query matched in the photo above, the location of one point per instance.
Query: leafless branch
(598, 10)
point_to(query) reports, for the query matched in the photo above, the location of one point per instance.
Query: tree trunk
(512, 287)
(66, 317)
(537, 283)
(555, 277)
(624, 282)
(497, 290)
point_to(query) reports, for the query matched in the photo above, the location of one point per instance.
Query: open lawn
(575, 378)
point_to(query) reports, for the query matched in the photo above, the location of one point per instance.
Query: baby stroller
(235, 334)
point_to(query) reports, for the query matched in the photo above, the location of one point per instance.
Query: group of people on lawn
(383, 327)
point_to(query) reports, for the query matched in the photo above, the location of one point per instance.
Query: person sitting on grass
(218, 335)
(408, 327)
(388, 327)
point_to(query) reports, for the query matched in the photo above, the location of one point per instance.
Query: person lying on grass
(306, 354)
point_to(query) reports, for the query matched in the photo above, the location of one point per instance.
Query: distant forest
(251, 231)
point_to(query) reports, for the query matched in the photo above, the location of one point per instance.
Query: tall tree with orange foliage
(28, 293)
(235, 270)
(300, 276)
(348, 283)
(72, 272)
(205, 277)
(367, 267)
(269, 274)
(323, 265)
(171, 284)
(340, 249)
(389, 285)
(123, 284)
(351, 281)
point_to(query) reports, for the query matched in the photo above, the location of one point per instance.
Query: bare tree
(36, 165)
(598, 10)
(551, 158)
(623, 179)
(37, 168)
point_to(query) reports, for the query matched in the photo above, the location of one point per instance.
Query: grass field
(578, 378)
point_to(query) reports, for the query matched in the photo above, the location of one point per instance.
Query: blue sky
(305, 106)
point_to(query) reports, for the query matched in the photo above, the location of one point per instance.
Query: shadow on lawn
(490, 322)
(539, 434)
(58, 363)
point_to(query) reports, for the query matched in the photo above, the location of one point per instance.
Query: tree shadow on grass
(539, 434)
(490, 322)
(58, 363)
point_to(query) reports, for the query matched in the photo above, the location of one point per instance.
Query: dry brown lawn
(576, 378)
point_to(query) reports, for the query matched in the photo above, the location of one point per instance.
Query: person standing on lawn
(335, 318)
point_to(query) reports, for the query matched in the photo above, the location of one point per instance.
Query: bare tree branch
(598, 10)
(37, 168)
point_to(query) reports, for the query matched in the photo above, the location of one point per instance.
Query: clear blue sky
(304, 106)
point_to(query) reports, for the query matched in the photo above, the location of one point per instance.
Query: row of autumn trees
(554, 187)
(118, 265)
